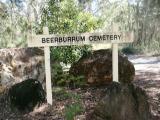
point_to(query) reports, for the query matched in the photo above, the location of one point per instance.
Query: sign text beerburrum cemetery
(47, 40)
(79, 39)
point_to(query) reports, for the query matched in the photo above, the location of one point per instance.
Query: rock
(27, 94)
(19, 64)
(6, 77)
(122, 102)
(97, 67)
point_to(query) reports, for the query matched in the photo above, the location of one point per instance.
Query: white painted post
(48, 69)
(115, 57)
(115, 61)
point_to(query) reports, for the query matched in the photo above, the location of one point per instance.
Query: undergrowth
(150, 48)
(61, 78)
(74, 107)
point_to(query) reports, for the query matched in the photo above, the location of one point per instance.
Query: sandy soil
(148, 77)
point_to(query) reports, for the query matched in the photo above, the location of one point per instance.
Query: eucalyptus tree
(140, 16)
(3, 23)
(147, 14)
(16, 22)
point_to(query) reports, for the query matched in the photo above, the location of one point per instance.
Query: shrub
(129, 50)
(61, 78)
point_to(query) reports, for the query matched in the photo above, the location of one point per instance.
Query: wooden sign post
(48, 69)
(115, 57)
(47, 40)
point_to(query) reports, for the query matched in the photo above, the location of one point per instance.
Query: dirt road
(148, 77)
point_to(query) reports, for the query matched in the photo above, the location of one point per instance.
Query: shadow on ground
(148, 78)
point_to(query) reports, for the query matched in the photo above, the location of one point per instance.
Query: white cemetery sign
(47, 40)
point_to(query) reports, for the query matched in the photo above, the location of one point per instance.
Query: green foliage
(147, 25)
(69, 80)
(66, 17)
(72, 110)
(57, 73)
(152, 48)
(14, 26)
(68, 54)
(78, 16)
(116, 12)
(61, 78)
(129, 50)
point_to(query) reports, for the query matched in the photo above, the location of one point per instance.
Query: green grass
(62, 94)
(72, 110)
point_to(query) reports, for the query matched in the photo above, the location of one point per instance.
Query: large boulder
(122, 102)
(27, 94)
(96, 67)
(19, 64)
